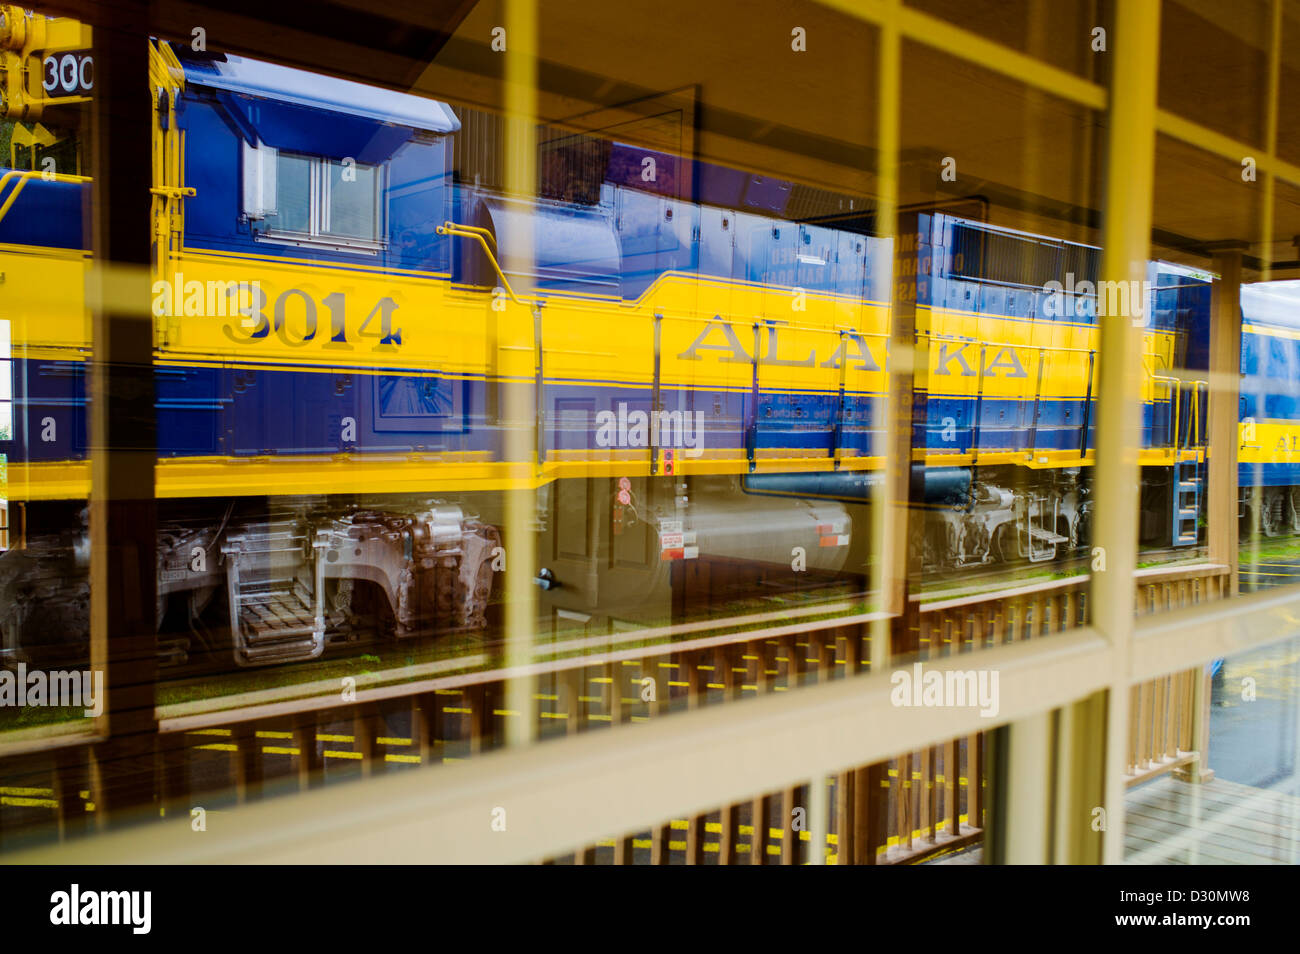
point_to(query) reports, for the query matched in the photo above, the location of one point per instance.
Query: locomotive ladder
(1041, 538)
(276, 594)
(1187, 480)
(1187, 502)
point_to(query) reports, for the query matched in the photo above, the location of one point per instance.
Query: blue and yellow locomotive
(349, 310)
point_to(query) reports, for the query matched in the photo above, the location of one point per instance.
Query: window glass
(352, 201)
(1242, 812)
(293, 194)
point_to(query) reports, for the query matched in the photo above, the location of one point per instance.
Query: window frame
(7, 369)
(6, 401)
(318, 206)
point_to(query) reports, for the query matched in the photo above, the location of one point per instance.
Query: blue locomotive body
(337, 191)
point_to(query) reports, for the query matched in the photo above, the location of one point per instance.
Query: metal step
(276, 615)
(1047, 536)
(289, 651)
(1186, 504)
(273, 610)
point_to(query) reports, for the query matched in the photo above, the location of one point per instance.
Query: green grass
(1270, 548)
(30, 717)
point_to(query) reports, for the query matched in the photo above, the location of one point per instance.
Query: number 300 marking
(69, 73)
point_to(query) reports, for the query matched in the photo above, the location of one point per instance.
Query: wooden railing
(931, 801)
(913, 806)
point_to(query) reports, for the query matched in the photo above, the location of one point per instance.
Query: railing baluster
(952, 786)
(70, 776)
(930, 793)
(905, 814)
(248, 762)
(975, 780)
(366, 739)
(789, 836)
(759, 837)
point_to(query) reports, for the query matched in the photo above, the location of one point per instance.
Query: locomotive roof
(236, 74)
(1274, 303)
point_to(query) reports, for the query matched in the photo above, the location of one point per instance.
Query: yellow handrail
(472, 232)
(167, 212)
(1172, 383)
(1196, 406)
(486, 233)
(23, 176)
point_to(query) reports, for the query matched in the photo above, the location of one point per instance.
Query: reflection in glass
(1246, 810)
(293, 193)
(352, 210)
